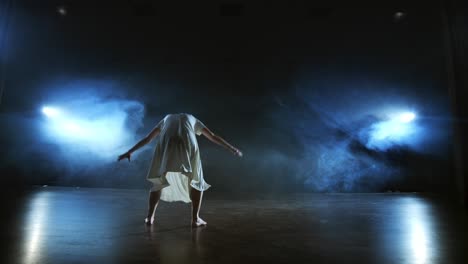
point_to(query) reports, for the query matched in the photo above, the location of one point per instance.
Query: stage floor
(69, 225)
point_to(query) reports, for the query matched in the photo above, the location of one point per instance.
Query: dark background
(293, 85)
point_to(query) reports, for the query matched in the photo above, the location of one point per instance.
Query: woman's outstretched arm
(220, 141)
(154, 133)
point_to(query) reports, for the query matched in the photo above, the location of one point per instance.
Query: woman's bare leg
(196, 197)
(152, 204)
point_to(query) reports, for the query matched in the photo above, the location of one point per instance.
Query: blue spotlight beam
(89, 126)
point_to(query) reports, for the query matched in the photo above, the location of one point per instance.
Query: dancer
(176, 169)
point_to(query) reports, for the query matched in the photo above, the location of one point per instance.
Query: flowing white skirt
(176, 167)
(177, 187)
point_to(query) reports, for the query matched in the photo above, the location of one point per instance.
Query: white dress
(176, 163)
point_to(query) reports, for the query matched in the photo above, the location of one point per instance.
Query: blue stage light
(50, 111)
(407, 117)
(399, 129)
(84, 128)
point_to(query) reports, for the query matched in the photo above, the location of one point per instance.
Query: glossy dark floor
(66, 225)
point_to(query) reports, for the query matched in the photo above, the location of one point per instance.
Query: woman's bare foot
(148, 221)
(198, 222)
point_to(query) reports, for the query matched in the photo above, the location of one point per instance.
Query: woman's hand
(236, 152)
(126, 155)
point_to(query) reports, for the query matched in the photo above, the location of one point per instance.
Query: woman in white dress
(176, 170)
